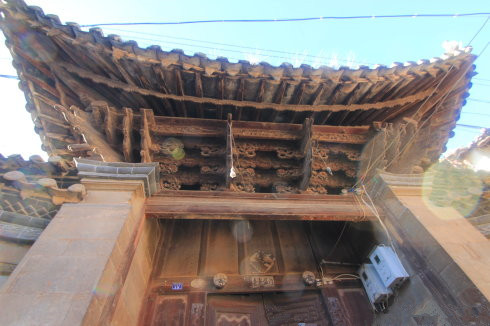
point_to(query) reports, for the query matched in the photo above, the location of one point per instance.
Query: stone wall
(433, 245)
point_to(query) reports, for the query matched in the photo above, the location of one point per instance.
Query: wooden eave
(65, 66)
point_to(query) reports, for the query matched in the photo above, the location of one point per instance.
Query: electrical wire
(478, 100)
(481, 84)
(483, 114)
(471, 126)
(161, 37)
(9, 76)
(376, 213)
(235, 51)
(338, 241)
(274, 20)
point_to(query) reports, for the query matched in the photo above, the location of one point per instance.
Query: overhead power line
(303, 57)
(477, 113)
(9, 76)
(481, 84)
(160, 37)
(470, 126)
(274, 20)
(478, 100)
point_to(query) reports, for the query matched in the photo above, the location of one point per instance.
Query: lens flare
(174, 148)
(450, 186)
(242, 231)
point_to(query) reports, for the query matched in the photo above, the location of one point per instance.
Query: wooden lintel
(171, 126)
(237, 206)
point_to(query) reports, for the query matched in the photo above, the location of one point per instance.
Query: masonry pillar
(446, 257)
(92, 263)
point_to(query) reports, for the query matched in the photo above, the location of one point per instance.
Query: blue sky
(348, 42)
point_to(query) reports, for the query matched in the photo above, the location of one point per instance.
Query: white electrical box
(375, 289)
(388, 266)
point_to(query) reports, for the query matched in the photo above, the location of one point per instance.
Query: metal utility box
(388, 266)
(376, 291)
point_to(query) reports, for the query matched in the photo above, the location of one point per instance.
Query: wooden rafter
(199, 93)
(180, 91)
(279, 107)
(80, 121)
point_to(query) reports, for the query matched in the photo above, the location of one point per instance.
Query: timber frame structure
(215, 191)
(286, 129)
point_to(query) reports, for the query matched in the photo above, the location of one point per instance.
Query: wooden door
(235, 310)
(295, 308)
(274, 309)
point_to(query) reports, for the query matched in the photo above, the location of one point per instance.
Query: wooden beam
(298, 97)
(127, 130)
(110, 121)
(180, 91)
(260, 97)
(307, 149)
(325, 118)
(126, 77)
(239, 96)
(281, 90)
(170, 126)
(147, 121)
(199, 92)
(80, 120)
(221, 95)
(163, 86)
(236, 206)
(41, 84)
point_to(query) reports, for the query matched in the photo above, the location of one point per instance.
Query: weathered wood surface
(200, 249)
(191, 252)
(222, 205)
(67, 66)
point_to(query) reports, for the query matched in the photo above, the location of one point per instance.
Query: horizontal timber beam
(171, 126)
(238, 206)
